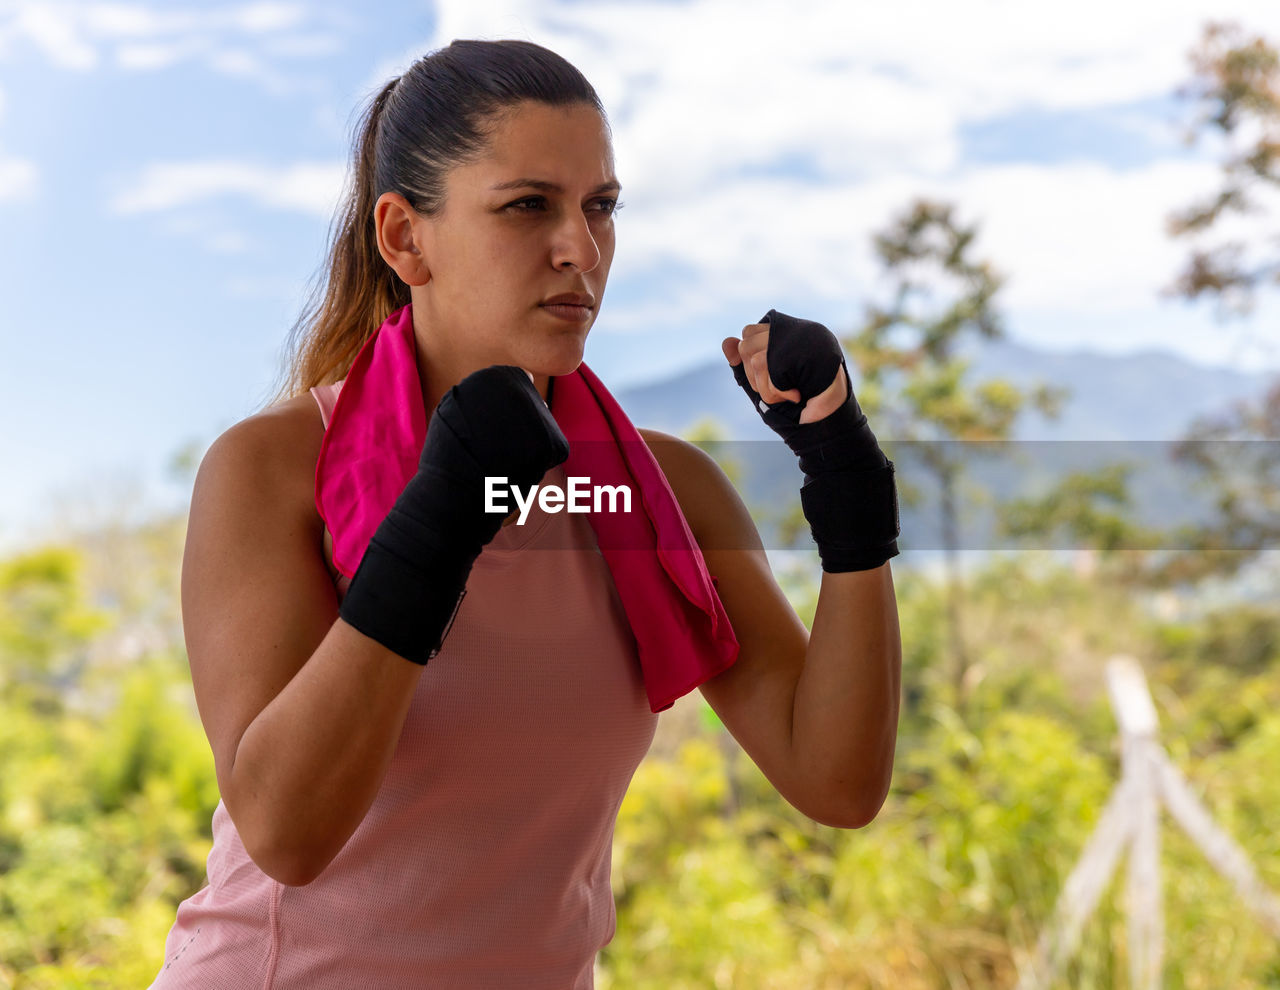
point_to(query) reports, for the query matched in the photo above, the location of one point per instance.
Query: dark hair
(439, 114)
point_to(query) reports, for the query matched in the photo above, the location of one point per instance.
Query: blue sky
(168, 172)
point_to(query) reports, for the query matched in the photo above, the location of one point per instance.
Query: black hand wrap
(413, 575)
(849, 496)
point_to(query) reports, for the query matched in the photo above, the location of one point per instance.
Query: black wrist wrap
(853, 516)
(403, 609)
(849, 496)
(413, 576)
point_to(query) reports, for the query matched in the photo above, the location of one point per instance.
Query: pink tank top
(485, 858)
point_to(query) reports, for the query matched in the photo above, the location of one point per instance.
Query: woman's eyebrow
(611, 185)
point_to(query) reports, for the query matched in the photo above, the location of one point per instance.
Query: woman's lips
(567, 311)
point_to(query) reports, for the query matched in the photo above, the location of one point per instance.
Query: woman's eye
(611, 206)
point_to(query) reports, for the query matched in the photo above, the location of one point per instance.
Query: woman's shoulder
(684, 464)
(287, 431)
(708, 499)
(690, 471)
(278, 447)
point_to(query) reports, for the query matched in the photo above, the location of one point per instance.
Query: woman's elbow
(279, 854)
(285, 864)
(867, 802)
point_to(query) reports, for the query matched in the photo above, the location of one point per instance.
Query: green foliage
(691, 890)
(955, 880)
(82, 888)
(44, 624)
(151, 735)
(105, 805)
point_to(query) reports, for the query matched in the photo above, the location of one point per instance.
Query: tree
(933, 407)
(1236, 87)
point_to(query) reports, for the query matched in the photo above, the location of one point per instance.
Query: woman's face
(496, 255)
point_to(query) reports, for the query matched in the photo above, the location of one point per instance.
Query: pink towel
(371, 450)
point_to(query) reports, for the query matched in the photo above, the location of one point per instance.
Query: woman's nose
(575, 244)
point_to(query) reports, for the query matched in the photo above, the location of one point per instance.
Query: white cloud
(715, 102)
(152, 55)
(1077, 236)
(311, 187)
(980, 57)
(1080, 235)
(135, 20)
(263, 18)
(124, 20)
(56, 36)
(79, 35)
(18, 179)
(703, 90)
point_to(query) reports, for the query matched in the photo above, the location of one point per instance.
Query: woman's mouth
(568, 311)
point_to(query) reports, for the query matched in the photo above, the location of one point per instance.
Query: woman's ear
(394, 222)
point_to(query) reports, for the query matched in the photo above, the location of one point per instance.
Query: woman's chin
(567, 368)
(565, 364)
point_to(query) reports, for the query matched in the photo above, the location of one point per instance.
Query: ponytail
(361, 289)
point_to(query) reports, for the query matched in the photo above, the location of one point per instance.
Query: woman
(422, 729)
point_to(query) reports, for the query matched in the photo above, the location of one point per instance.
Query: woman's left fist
(803, 367)
(795, 374)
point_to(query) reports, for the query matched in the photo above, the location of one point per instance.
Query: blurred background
(1043, 234)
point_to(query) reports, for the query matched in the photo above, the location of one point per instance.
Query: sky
(169, 172)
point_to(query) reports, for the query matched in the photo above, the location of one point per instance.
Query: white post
(1082, 891)
(1138, 727)
(1219, 849)
(1132, 817)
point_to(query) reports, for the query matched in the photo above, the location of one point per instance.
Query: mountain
(1148, 395)
(1122, 409)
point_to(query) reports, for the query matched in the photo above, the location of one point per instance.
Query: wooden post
(1219, 848)
(1138, 727)
(1132, 817)
(1082, 891)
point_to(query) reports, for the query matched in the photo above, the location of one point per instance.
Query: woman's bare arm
(303, 712)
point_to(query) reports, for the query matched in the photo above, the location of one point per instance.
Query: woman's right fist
(495, 424)
(413, 575)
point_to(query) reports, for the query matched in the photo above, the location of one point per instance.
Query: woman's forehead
(560, 145)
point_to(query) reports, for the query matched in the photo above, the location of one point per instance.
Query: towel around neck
(371, 449)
